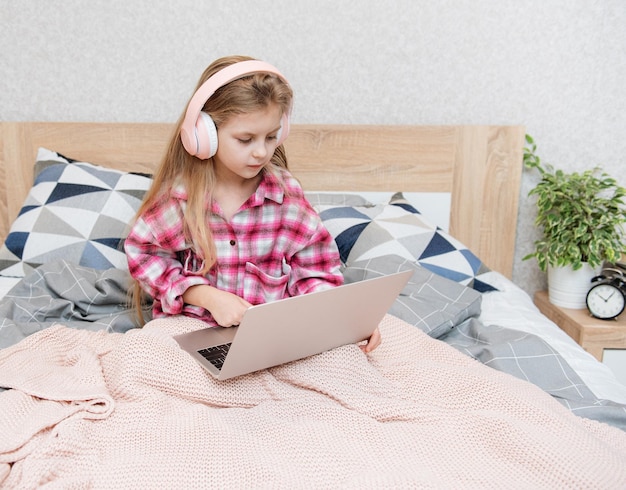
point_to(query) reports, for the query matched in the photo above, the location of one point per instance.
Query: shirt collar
(269, 188)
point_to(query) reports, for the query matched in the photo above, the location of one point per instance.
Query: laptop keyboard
(216, 355)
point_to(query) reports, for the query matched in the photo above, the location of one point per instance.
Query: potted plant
(582, 217)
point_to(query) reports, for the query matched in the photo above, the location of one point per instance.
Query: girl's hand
(372, 342)
(227, 308)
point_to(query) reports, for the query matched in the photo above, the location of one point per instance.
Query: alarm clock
(607, 297)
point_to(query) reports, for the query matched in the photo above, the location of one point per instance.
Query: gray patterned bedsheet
(62, 292)
(530, 358)
(81, 297)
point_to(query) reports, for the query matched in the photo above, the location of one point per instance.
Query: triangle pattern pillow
(397, 228)
(74, 211)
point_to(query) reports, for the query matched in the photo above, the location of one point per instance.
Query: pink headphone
(198, 132)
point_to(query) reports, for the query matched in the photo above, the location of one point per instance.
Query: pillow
(429, 301)
(365, 232)
(75, 211)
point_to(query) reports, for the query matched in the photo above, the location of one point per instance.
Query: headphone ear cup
(206, 136)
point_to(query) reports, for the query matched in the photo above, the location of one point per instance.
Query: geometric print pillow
(428, 301)
(74, 211)
(365, 232)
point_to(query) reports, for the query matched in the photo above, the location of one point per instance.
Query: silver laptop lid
(293, 328)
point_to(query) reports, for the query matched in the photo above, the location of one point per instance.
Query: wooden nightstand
(592, 334)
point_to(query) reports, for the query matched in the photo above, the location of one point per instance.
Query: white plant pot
(568, 288)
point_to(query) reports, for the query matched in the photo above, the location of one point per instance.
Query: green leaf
(581, 214)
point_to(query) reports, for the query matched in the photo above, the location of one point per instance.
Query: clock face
(605, 301)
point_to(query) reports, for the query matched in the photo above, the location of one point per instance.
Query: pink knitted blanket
(98, 410)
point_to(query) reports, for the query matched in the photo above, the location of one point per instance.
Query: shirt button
(232, 243)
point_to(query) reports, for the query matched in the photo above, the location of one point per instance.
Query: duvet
(113, 410)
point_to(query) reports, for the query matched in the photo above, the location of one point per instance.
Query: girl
(225, 225)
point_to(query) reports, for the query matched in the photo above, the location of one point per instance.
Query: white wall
(556, 66)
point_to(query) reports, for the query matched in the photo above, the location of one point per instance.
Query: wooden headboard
(479, 165)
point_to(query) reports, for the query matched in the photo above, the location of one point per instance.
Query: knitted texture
(97, 410)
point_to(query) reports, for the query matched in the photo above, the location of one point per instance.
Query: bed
(471, 386)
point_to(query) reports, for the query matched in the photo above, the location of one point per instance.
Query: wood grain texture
(480, 165)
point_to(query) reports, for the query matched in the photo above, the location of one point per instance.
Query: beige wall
(557, 67)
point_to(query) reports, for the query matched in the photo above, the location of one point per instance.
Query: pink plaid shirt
(275, 246)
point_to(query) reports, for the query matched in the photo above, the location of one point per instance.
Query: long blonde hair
(241, 96)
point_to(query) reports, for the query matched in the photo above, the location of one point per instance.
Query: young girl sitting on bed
(225, 225)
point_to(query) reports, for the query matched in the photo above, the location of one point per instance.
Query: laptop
(293, 328)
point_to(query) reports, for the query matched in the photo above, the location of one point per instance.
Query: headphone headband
(189, 135)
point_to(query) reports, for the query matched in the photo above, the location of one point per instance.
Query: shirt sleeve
(153, 249)
(315, 265)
